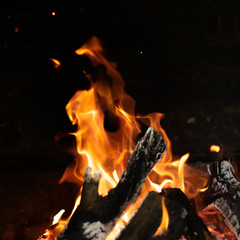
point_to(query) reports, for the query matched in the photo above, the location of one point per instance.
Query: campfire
(130, 185)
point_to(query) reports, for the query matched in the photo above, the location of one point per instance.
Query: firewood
(96, 215)
(224, 194)
(148, 218)
(196, 229)
(183, 220)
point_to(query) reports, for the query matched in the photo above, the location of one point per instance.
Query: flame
(88, 109)
(158, 188)
(165, 219)
(181, 172)
(58, 224)
(56, 63)
(177, 174)
(58, 216)
(106, 134)
(53, 13)
(215, 148)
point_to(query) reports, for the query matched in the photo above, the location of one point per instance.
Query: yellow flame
(203, 189)
(215, 148)
(182, 161)
(115, 176)
(165, 219)
(56, 63)
(158, 188)
(127, 117)
(58, 216)
(77, 202)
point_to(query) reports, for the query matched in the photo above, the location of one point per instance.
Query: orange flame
(165, 219)
(107, 129)
(181, 172)
(215, 148)
(56, 63)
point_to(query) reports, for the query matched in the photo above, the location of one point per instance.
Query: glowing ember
(16, 29)
(215, 148)
(217, 225)
(56, 63)
(106, 105)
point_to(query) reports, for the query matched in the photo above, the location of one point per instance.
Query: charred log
(224, 194)
(96, 215)
(183, 220)
(148, 218)
(196, 229)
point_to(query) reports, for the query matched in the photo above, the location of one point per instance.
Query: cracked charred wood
(195, 228)
(96, 215)
(148, 218)
(183, 220)
(224, 194)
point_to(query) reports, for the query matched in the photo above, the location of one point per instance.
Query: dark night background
(181, 58)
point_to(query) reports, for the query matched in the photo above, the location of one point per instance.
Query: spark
(214, 148)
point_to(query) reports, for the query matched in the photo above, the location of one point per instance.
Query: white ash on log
(224, 194)
(96, 215)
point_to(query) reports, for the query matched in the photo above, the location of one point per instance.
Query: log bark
(96, 215)
(224, 194)
(183, 220)
(148, 218)
(196, 229)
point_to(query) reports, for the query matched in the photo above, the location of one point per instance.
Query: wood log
(183, 220)
(224, 194)
(196, 229)
(148, 218)
(96, 215)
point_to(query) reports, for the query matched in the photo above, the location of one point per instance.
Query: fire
(56, 227)
(217, 226)
(215, 148)
(165, 219)
(88, 109)
(106, 134)
(56, 63)
(58, 216)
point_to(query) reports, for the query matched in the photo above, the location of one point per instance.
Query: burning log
(148, 218)
(224, 194)
(96, 215)
(183, 220)
(195, 229)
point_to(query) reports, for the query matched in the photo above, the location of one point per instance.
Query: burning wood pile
(137, 192)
